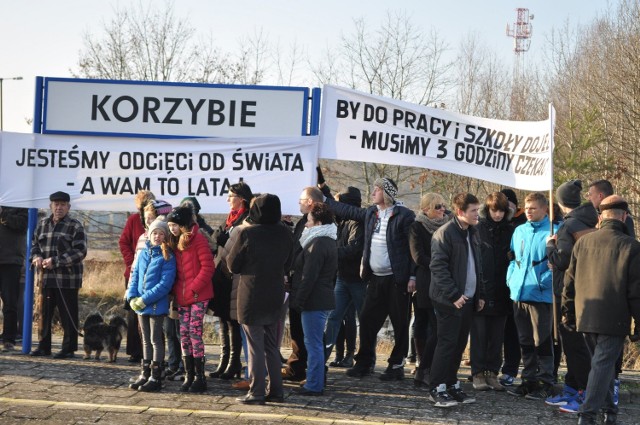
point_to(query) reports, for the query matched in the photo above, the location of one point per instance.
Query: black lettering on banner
(266, 161)
(169, 118)
(149, 107)
(62, 158)
(442, 149)
(116, 108)
(99, 107)
(394, 142)
(194, 109)
(124, 185)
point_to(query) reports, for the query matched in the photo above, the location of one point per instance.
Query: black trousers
(10, 292)
(577, 355)
(134, 336)
(384, 298)
(511, 347)
(487, 334)
(453, 334)
(426, 324)
(66, 300)
(297, 361)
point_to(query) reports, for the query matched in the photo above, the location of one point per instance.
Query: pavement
(76, 391)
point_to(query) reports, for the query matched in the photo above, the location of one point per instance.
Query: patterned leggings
(191, 321)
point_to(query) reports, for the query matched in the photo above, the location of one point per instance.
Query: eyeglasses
(439, 206)
(303, 199)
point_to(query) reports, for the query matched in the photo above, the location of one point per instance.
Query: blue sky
(44, 38)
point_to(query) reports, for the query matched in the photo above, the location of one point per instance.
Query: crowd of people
(500, 279)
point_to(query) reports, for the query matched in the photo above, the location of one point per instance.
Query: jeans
(313, 324)
(346, 293)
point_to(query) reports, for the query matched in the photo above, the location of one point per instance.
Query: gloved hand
(137, 304)
(320, 175)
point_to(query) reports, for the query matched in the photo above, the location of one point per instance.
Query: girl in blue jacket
(148, 294)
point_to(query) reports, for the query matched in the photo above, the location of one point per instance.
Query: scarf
(431, 224)
(310, 233)
(233, 216)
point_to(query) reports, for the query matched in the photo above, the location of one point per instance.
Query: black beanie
(265, 209)
(182, 216)
(351, 196)
(511, 196)
(193, 201)
(568, 194)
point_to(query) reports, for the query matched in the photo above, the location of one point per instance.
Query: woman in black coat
(487, 328)
(432, 215)
(312, 290)
(230, 365)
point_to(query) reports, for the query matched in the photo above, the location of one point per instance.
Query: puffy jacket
(529, 277)
(315, 268)
(397, 237)
(195, 271)
(152, 279)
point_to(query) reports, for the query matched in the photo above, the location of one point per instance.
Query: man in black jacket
(456, 289)
(387, 268)
(601, 294)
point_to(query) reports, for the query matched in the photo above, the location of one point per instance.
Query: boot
(419, 343)
(189, 373)
(338, 359)
(347, 361)
(145, 373)
(199, 384)
(235, 366)
(224, 354)
(154, 383)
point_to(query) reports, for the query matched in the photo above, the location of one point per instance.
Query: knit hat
(351, 196)
(159, 225)
(568, 194)
(511, 196)
(182, 216)
(390, 189)
(242, 190)
(193, 201)
(161, 207)
(265, 209)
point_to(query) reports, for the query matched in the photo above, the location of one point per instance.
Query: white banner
(361, 127)
(161, 109)
(104, 174)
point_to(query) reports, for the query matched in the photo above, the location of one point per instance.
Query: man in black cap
(578, 221)
(59, 247)
(601, 294)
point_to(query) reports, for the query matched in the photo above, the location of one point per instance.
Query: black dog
(99, 336)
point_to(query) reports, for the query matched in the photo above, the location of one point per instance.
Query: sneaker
(359, 370)
(480, 382)
(393, 373)
(523, 389)
(507, 380)
(573, 405)
(616, 391)
(460, 396)
(567, 395)
(8, 347)
(543, 392)
(441, 398)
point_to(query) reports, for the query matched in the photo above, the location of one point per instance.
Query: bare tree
(395, 60)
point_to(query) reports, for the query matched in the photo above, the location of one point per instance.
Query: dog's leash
(40, 275)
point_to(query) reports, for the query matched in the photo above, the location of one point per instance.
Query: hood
(585, 213)
(265, 209)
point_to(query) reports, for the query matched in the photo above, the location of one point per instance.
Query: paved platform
(76, 391)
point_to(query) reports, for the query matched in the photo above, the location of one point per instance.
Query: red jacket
(195, 271)
(129, 240)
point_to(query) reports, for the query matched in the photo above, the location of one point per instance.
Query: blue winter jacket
(529, 276)
(152, 279)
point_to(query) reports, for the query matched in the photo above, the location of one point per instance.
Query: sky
(44, 37)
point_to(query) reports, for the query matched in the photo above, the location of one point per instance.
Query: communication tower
(521, 33)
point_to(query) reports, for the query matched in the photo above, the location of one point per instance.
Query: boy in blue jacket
(148, 294)
(530, 284)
